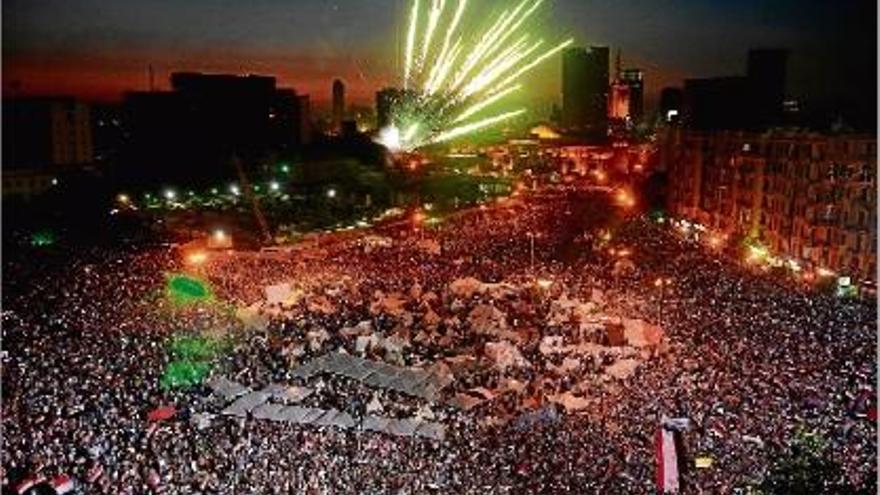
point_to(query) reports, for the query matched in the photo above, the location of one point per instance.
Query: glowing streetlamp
(123, 198)
(197, 258)
(625, 199)
(331, 193)
(824, 272)
(170, 194)
(234, 189)
(662, 283)
(274, 186)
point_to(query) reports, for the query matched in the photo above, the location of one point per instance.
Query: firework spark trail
(437, 7)
(410, 43)
(463, 74)
(477, 107)
(475, 126)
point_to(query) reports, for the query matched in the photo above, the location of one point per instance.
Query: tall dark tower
(634, 80)
(338, 104)
(585, 90)
(766, 86)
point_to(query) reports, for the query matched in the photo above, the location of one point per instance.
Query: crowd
(747, 358)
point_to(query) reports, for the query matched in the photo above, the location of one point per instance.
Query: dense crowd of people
(747, 358)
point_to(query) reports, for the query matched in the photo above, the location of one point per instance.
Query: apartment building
(808, 197)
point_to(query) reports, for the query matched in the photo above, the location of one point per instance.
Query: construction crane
(252, 198)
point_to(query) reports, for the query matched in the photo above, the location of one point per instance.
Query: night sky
(97, 49)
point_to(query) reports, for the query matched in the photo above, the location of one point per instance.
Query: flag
(62, 484)
(161, 413)
(27, 483)
(667, 461)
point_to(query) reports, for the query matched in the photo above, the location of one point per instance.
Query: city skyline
(97, 52)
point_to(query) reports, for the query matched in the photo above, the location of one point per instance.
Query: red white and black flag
(667, 461)
(669, 453)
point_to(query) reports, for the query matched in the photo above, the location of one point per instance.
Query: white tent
(570, 402)
(505, 355)
(391, 304)
(226, 388)
(278, 293)
(639, 333)
(487, 319)
(465, 287)
(622, 369)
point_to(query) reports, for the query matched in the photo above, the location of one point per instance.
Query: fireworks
(454, 82)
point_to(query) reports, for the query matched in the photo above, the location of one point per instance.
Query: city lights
(170, 194)
(824, 272)
(123, 198)
(331, 193)
(625, 198)
(197, 258)
(234, 189)
(274, 186)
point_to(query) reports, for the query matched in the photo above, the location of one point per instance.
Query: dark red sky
(97, 49)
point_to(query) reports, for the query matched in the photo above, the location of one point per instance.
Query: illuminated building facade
(808, 197)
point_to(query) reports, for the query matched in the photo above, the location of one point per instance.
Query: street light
(331, 193)
(531, 251)
(170, 194)
(662, 283)
(274, 186)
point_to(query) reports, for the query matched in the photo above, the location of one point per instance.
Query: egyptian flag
(667, 461)
(62, 484)
(28, 484)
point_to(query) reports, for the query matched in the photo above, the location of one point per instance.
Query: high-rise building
(671, 105)
(810, 198)
(618, 102)
(208, 118)
(338, 104)
(717, 103)
(766, 85)
(585, 90)
(41, 132)
(634, 80)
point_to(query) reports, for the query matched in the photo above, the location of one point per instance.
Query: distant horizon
(96, 51)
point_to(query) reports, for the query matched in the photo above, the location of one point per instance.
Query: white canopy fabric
(622, 369)
(465, 287)
(487, 319)
(415, 382)
(246, 403)
(229, 390)
(278, 293)
(505, 355)
(639, 333)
